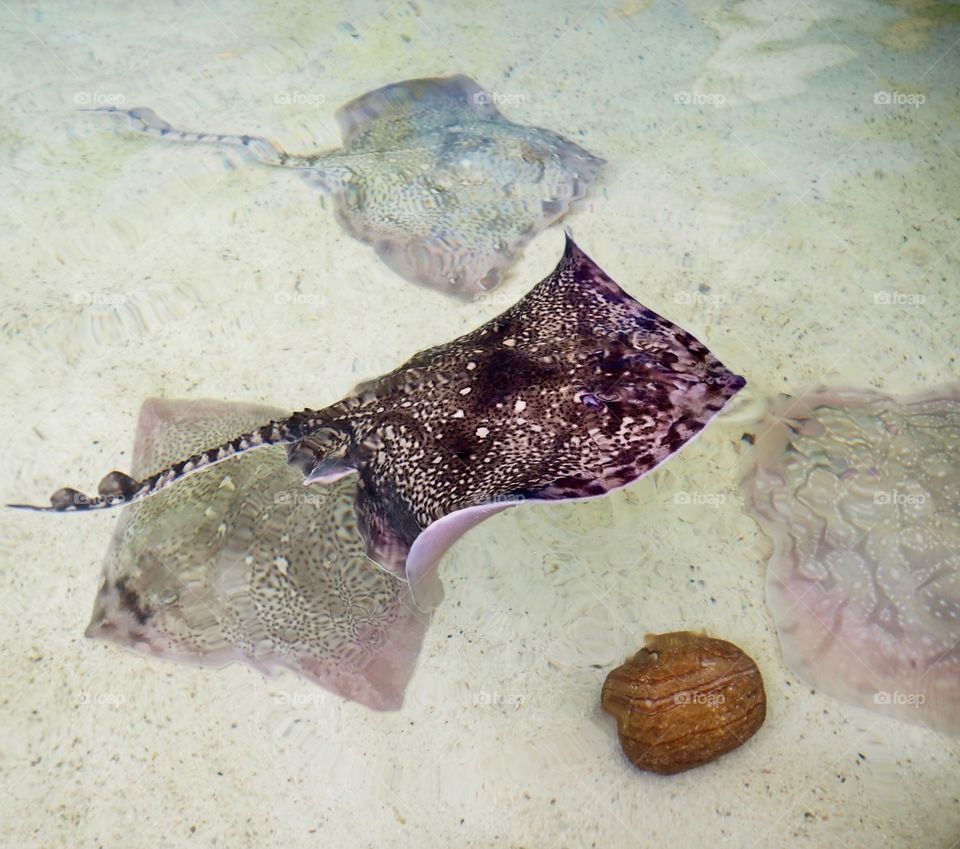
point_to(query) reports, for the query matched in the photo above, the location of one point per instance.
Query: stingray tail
(263, 149)
(118, 488)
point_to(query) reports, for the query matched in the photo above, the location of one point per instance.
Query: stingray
(241, 564)
(575, 391)
(430, 174)
(860, 493)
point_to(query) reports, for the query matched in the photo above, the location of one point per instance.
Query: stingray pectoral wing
(438, 537)
(638, 427)
(388, 538)
(574, 392)
(445, 188)
(404, 548)
(238, 564)
(469, 242)
(372, 118)
(633, 432)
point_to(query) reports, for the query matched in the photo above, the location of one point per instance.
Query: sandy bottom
(783, 186)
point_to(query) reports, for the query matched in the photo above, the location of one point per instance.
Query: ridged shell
(684, 700)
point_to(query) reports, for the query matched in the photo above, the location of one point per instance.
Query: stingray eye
(608, 397)
(591, 401)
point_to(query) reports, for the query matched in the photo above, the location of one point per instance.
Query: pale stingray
(445, 188)
(242, 563)
(574, 391)
(860, 493)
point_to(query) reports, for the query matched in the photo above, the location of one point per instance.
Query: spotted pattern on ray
(241, 563)
(574, 391)
(445, 188)
(860, 493)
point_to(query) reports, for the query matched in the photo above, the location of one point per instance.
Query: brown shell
(684, 700)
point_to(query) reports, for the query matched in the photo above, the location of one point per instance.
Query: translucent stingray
(242, 563)
(430, 174)
(860, 493)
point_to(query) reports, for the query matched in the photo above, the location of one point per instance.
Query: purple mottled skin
(575, 391)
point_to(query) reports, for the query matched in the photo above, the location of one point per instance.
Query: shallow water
(782, 182)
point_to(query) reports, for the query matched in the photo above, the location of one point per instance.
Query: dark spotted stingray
(574, 391)
(241, 563)
(445, 188)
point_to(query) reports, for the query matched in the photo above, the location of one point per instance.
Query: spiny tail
(118, 488)
(147, 121)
